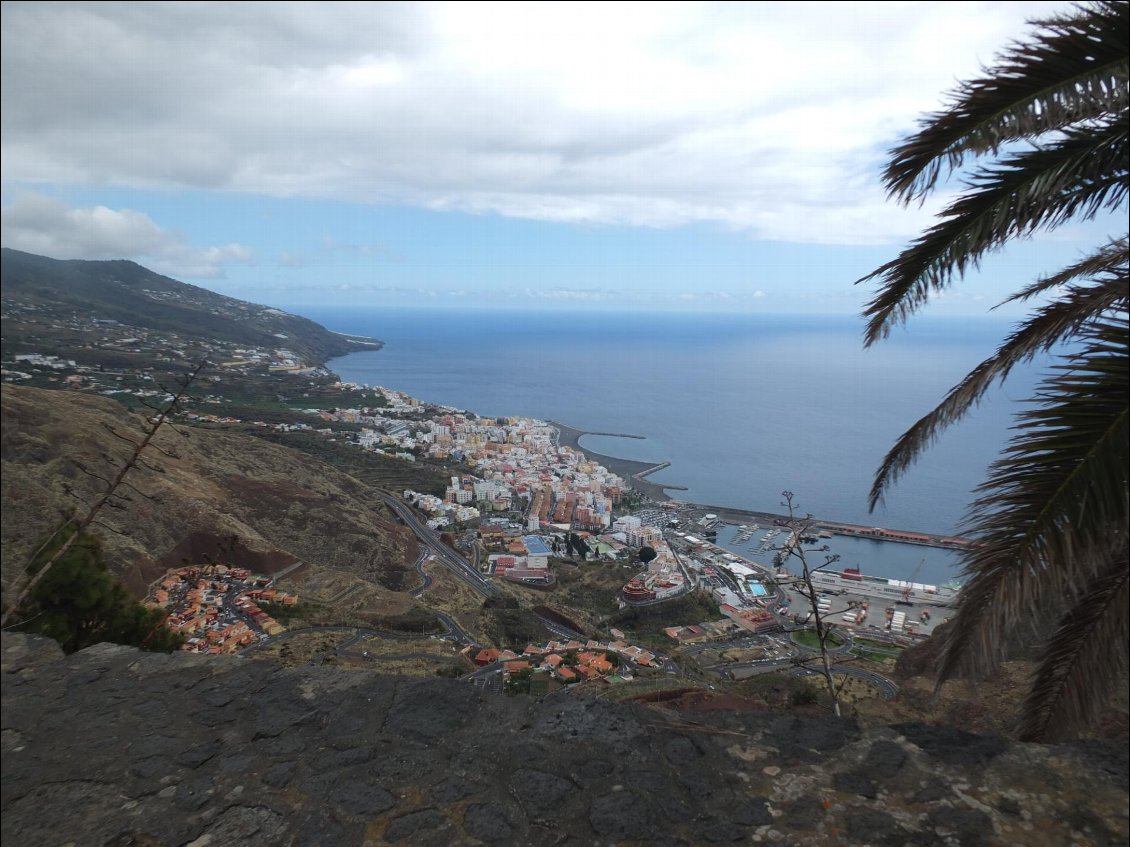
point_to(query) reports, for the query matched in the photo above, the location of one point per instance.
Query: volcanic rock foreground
(115, 747)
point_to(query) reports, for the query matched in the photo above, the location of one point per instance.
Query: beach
(633, 472)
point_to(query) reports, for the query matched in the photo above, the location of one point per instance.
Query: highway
(447, 557)
(560, 630)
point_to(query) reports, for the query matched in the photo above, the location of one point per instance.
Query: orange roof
(516, 666)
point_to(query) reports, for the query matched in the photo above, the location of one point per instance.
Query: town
(517, 496)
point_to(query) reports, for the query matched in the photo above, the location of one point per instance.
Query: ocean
(742, 406)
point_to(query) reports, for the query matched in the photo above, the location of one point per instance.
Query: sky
(675, 156)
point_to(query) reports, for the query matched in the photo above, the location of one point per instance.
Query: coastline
(636, 471)
(630, 469)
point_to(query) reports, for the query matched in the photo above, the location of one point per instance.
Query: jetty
(631, 470)
(731, 514)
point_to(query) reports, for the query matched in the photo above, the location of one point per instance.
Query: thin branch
(823, 632)
(123, 532)
(137, 490)
(109, 428)
(152, 467)
(89, 472)
(105, 499)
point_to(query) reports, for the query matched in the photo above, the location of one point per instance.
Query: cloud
(769, 118)
(39, 224)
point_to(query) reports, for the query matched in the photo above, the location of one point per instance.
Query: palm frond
(1086, 658)
(1055, 323)
(1109, 262)
(1073, 178)
(1055, 505)
(1074, 69)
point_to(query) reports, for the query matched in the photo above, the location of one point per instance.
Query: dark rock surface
(114, 747)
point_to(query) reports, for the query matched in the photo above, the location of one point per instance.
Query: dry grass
(271, 498)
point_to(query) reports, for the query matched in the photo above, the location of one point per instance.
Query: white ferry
(851, 581)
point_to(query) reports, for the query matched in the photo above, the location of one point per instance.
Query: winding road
(426, 578)
(447, 557)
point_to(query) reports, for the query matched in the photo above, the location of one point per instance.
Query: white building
(627, 524)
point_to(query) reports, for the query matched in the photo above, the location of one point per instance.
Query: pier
(581, 432)
(732, 514)
(629, 469)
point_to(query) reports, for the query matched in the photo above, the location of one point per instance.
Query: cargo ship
(851, 581)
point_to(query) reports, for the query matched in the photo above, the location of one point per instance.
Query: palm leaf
(1055, 323)
(1109, 262)
(1086, 658)
(1073, 178)
(1072, 71)
(1054, 509)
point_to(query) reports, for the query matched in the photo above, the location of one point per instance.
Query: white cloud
(39, 224)
(770, 118)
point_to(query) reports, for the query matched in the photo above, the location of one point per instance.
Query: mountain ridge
(128, 293)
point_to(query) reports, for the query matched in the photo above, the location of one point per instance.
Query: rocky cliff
(115, 747)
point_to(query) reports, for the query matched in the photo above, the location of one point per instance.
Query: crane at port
(910, 583)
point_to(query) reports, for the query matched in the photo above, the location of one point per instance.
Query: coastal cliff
(113, 746)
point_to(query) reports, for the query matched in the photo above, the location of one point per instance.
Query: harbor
(636, 473)
(864, 604)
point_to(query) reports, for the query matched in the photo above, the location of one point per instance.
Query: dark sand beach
(629, 469)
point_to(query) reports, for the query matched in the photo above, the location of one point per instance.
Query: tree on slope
(79, 602)
(1040, 139)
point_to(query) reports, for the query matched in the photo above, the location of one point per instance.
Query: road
(561, 630)
(454, 632)
(488, 678)
(426, 579)
(447, 557)
(887, 688)
(689, 585)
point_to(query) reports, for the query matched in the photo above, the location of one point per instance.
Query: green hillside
(56, 301)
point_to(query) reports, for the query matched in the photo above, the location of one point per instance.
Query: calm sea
(743, 406)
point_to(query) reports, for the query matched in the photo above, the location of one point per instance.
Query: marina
(874, 557)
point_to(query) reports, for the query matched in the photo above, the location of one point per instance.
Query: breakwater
(730, 514)
(630, 469)
(635, 472)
